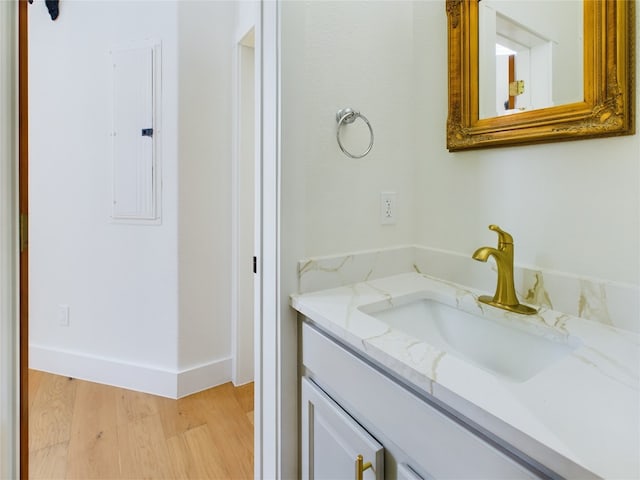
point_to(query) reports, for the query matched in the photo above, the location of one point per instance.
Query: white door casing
(268, 414)
(9, 280)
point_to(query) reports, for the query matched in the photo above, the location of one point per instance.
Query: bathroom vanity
(423, 381)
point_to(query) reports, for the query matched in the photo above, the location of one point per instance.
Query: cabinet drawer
(440, 446)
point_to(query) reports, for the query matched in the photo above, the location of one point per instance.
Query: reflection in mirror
(530, 55)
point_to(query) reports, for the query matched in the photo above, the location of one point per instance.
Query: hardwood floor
(84, 430)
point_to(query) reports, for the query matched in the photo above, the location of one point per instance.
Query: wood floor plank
(133, 406)
(233, 417)
(93, 446)
(143, 448)
(49, 463)
(179, 416)
(179, 456)
(51, 411)
(35, 377)
(244, 396)
(238, 460)
(194, 455)
(230, 430)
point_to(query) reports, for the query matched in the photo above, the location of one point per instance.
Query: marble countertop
(585, 407)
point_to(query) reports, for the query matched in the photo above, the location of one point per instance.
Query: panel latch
(147, 132)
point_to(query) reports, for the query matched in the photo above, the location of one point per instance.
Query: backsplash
(320, 273)
(610, 303)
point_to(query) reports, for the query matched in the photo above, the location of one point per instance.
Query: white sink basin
(501, 349)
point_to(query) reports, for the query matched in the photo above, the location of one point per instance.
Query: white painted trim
(103, 370)
(267, 386)
(258, 430)
(142, 378)
(196, 379)
(9, 280)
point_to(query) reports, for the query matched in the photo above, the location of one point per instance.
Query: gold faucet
(505, 296)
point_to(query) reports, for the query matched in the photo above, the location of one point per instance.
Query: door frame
(13, 335)
(268, 416)
(23, 202)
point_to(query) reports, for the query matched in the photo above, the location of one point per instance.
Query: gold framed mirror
(607, 108)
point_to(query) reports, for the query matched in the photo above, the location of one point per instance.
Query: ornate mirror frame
(609, 83)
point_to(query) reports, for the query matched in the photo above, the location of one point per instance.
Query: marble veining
(537, 294)
(592, 303)
(434, 366)
(601, 301)
(591, 393)
(331, 271)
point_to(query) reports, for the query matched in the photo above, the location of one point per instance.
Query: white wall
(358, 55)
(119, 280)
(336, 55)
(204, 243)
(149, 303)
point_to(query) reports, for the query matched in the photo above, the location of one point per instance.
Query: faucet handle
(504, 238)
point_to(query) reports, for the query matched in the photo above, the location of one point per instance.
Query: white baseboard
(142, 378)
(196, 379)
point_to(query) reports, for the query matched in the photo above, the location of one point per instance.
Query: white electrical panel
(135, 181)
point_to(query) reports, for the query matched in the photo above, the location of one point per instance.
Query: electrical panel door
(135, 181)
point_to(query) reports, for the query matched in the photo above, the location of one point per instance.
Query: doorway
(65, 318)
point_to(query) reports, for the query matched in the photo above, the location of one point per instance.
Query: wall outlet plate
(63, 315)
(388, 207)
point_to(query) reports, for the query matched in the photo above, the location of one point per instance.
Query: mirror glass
(531, 55)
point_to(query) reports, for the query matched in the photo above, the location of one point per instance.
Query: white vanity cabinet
(420, 440)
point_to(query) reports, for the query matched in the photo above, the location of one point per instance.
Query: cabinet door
(332, 440)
